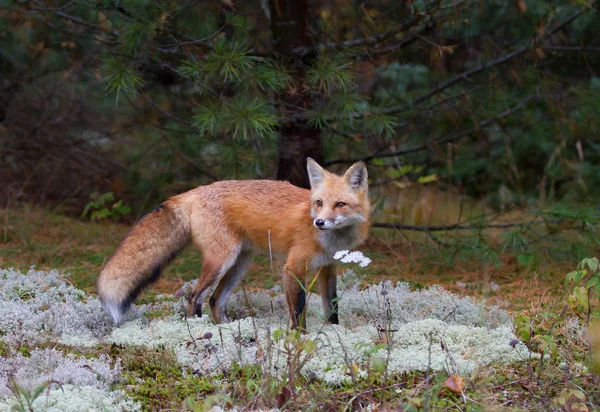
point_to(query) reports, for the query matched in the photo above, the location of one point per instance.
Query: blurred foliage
(499, 99)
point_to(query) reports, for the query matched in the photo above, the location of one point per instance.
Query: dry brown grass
(33, 236)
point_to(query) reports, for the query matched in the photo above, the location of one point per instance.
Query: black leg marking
(300, 303)
(299, 309)
(333, 310)
(198, 308)
(332, 316)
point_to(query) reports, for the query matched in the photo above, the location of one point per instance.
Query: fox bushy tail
(140, 258)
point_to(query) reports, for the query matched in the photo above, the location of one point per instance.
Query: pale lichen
(386, 320)
(414, 324)
(72, 398)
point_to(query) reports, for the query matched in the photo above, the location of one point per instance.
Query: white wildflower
(352, 257)
(340, 254)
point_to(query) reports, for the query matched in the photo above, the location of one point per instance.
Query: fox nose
(319, 222)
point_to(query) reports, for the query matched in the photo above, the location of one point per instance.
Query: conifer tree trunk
(289, 24)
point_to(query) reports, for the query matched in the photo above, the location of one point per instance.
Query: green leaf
(548, 344)
(427, 179)
(581, 294)
(591, 263)
(593, 281)
(578, 301)
(292, 336)
(525, 259)
(228, 61)
(278, 334)
(523, 327)
(308, 346)
(344, 107)
(39, 389)
(576, 275)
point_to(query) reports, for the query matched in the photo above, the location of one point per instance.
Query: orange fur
(228, 220)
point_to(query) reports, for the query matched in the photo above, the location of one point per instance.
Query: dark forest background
(111, 106)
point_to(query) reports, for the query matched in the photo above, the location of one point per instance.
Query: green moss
(4, 349)
(154, 378)
(24, 350)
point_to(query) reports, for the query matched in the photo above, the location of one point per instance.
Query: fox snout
(331, 222)
(326, 224)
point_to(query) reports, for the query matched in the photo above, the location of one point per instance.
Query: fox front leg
(328, 292)
(295, 294)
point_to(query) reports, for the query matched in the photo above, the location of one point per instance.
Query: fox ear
(316, 174)
(356, 176)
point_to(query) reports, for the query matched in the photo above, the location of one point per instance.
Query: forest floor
(535, 294)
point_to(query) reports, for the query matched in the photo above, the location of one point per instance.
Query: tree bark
(296, 143)
(289, 25)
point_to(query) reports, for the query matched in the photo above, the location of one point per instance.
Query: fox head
(338, 201)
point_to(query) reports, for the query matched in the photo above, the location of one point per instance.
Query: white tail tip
(116, 311)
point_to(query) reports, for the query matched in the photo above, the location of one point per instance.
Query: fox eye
(340, 204)
(319, 203)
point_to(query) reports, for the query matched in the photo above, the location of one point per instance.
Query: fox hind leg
(214, 267)
(219, 298)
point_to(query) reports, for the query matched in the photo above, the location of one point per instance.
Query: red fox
(228, 221)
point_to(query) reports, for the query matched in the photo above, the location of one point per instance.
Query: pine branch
(74, 19)
(176, 151)
(189, 160)
(500, 60)
(165, 112)
(372, 40)
(446, 139)
(454, 80)
(367, 41)
(398, 46)
(572, 48)
(442, 228)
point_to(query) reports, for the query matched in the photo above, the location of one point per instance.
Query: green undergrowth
(155, 379)
(551, 317)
